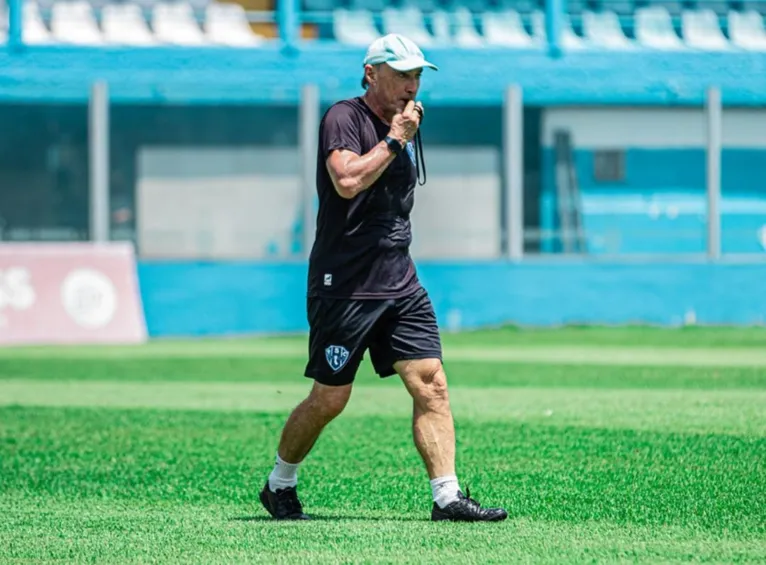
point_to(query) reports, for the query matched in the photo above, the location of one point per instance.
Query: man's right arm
(352, 173)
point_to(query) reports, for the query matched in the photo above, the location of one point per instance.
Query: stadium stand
(706, 25)
(144, 23)
(618, 24)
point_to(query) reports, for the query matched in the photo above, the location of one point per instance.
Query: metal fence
(503, 182)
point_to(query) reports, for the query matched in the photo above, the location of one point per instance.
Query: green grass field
(605, 445)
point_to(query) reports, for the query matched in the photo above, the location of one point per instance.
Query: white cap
(398, 52)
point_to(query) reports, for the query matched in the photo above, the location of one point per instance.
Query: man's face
(395, 88)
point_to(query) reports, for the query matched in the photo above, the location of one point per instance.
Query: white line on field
(702, 411)
(293, 349)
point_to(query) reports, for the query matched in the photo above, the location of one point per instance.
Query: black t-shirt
(361, 249)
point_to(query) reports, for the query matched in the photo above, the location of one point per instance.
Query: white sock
(445, 490)
(283, 475)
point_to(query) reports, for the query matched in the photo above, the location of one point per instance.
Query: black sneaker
(466, 509)
(283, 504)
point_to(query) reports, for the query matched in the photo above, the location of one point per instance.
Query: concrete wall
(223, 202)
(662, 128)
(246, 203)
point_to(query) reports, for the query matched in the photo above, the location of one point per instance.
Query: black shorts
(396, 329)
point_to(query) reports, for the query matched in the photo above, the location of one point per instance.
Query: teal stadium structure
(636, 100)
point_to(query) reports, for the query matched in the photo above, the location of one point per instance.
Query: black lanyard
(419, 157)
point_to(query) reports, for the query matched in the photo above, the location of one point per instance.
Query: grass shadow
(334, 518)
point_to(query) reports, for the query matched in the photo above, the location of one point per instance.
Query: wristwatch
(394, 145)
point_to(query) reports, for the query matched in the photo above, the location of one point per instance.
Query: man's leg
(434, 434)
(301, 431)
(432, 425)
(409, 344)
(308, 419)
(337, 341)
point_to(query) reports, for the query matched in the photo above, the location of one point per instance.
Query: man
(363, 290)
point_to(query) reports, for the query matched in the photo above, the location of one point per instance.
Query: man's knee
(426, 381)
(329, 401)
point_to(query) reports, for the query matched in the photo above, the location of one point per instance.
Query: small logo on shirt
(411, 151)
(336, 356)
(328, 280)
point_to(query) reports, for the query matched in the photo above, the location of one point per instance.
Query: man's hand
(352, 173)
(419, 110)
(405, 124)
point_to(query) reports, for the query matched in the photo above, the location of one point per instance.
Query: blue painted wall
(222, 298)
(661, 205)
(668, 170)
(208, 299)
(275, 74)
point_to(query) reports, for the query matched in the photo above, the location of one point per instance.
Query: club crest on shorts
(336, 356)
(411, 151)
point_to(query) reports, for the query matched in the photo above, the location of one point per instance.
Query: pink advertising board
(66, 293)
